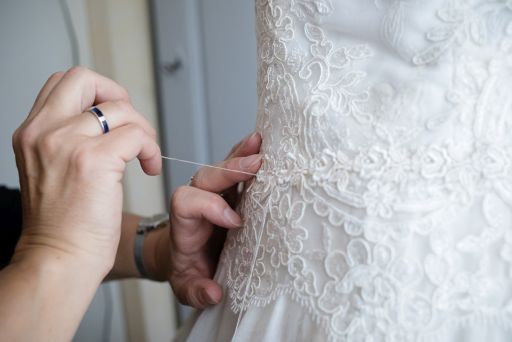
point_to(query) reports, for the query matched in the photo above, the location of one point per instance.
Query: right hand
(197, 214)
(70, 173)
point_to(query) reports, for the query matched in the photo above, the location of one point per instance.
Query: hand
(70, 173)
(196, 215)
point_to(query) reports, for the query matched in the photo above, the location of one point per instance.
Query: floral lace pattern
(384, 206)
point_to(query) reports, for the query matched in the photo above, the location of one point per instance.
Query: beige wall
(121, 48)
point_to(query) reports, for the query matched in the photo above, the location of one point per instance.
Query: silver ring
(101, 119)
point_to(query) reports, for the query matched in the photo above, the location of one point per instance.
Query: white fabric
(383, 209)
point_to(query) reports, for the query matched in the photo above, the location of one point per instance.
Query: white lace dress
(383, 211)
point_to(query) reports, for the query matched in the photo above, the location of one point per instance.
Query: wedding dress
(383, 211)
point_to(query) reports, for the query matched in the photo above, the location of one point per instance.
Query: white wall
(33, 44)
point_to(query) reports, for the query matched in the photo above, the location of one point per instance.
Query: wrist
(40, 252)
(155, 253)
(51, 288)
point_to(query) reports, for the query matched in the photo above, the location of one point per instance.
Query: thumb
(199, 292)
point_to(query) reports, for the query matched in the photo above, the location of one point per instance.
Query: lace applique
(383, 207)
(465, 22)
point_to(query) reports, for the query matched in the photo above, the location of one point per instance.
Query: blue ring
(101, 119)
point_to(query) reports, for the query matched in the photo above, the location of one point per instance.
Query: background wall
(34, 43)
(209, 102)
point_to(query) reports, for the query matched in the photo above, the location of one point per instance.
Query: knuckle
(55, 75)
(135, 131)
(15, 138)
(78, 71)
(192, 300)
(124, 92)
(179, 199)
(217, 205)
(25, 137)
(152, 132)
(124, 106)
(48, 144)
(199, 180)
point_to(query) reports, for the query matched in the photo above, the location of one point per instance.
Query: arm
(124, 265)
(44, 293)
(154, 243)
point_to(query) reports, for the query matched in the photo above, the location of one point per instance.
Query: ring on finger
(101, 119)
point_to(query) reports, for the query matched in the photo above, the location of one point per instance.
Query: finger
(129, 142)
(52, 81)
(249, 145)
(192, 204)
(237, 146)
(79, 89)
(217, 180)
(198, 292)
(117, 114)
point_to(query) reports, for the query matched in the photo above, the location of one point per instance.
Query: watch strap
(146, 225)
(139, 259)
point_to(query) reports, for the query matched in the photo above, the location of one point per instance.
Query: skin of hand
(70, 176)
(70, 173)
(199, 217)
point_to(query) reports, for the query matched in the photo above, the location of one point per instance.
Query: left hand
(188, 257)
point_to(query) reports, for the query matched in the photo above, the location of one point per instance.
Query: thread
(249, 280)
(207, 165)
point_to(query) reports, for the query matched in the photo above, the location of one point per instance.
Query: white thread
(207, 165)
(249, 280)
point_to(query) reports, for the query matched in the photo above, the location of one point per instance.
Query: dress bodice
(384, 206)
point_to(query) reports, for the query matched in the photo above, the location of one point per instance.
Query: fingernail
(232, 217)
(208, 299)
(251, 161)
(248, 139)
(253, 135)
